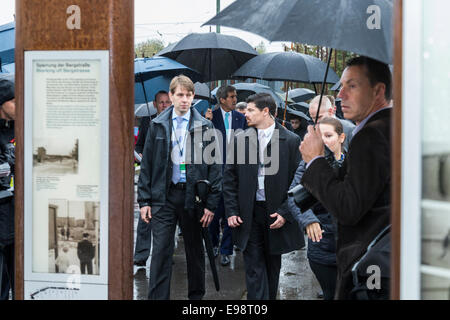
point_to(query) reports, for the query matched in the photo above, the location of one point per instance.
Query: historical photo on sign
(73, 245)
(55, 156)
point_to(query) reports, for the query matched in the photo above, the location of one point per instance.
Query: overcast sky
(169, 20)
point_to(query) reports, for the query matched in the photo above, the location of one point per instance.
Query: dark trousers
(163, 228)
(326, 275)
(143, 241)
(262, 269)
(226, 245)
(86, 266)
(6, 271)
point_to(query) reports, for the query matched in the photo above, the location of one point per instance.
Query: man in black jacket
(173, 161)
(255, 188)
(144, 230)
(85, 252)
(360, 197)
(7, 161)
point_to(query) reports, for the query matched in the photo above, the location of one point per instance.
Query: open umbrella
(301, 94)
(7, 40)
(216, 56)
(300, 106)
(145, 91)
(154, 74)
(286, 66)
(202, 92)
(245, 89)
(147, 68)
(141, 110)
(359, 26)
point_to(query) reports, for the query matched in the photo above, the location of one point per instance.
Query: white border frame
(412, 102)
(30, 56)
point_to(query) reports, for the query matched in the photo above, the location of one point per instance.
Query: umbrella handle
(323, 87)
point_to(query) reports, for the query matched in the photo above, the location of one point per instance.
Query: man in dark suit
(173, 161)
(85, 252)
(256, 180)
(360, 197)
(227, 120)
(144, 230)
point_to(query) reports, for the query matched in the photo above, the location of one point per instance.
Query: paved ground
(297, 281)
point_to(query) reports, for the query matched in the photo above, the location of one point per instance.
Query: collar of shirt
(268, 132)
(223, 114)
(363, 123)
(186, 117)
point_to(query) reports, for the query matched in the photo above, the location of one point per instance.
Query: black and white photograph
(56, 156)
(73, 245)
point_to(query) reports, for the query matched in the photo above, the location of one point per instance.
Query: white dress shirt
(264, 136)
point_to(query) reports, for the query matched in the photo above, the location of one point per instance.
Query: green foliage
(148, 48)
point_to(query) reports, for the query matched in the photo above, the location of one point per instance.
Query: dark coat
(85, 250)
(360, 198)
(156, 166)
(240, 186)
(143, 128)
(7, 159)
(238, 121)
(324, 251)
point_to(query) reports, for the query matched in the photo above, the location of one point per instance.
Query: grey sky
(169, 20)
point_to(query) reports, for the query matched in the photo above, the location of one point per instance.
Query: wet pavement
(297, 281)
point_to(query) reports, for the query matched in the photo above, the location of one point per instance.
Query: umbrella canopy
(201, 105)
(202, 92)
(214, 55)
(359, 26)
(141, 110)
(300, 106)
(151, 87)
(147, 68)
(244, 90)
(7, 41)
(8, 68)
(301, 94)
(297, 113)
(286, 66)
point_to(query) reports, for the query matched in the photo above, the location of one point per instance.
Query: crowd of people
(250, 160)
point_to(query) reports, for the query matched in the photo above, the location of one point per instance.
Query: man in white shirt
(256, 180)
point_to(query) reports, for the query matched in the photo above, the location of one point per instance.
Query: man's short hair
(160, 92)
(183, 82)
(376, 72)
(85, 235)
(326, 104)
(222, 92)
(241, 105)
(263, 100)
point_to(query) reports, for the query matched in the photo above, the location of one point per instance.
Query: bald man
(327, 110)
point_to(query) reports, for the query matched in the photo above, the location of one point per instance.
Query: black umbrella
(286, 66)
(202, 188)
(301, 94)
(214, 55)
(359, 26)
(300, 106)
(297, 113)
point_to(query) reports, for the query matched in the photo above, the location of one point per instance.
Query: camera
(302, 197)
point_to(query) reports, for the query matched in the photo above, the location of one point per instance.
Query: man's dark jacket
(360, 200)
(240, 186)
(85, 250)
(7, 158)
(156, 166)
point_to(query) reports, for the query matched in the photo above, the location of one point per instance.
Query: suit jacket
(143, 128)
(156, 166)
(360, 198)
(238, 121)
(240, 186)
